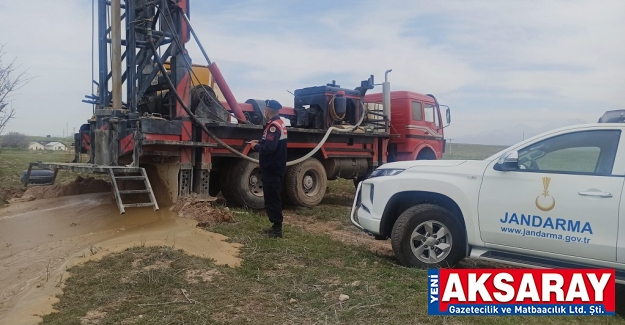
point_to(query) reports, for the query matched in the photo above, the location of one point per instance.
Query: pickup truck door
(564, 197)
(620, 245)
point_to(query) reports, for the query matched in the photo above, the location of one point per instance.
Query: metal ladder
(142, 177)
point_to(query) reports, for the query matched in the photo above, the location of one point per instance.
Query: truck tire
(214, 184)
(246, 185)
(363, 177)
(428, 236)
(227, 187)
(286, 201)
(426, 154)
(306, 183)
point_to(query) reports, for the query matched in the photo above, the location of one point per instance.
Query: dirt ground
(354, 237)
(339, 232)
(66, 229)
(79, 186)
(7, 194)
(70, 230)
(202, 211)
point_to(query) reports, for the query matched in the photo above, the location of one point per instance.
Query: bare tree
(10, 81)
(15, 140)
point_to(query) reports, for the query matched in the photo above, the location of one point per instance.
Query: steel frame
(162, 23)
(144, 21)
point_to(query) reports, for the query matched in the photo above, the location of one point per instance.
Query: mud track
(40, 239)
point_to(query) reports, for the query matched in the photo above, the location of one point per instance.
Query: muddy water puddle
(39, 240)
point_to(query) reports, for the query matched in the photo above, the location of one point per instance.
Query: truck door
(563, 198)
(432, 120)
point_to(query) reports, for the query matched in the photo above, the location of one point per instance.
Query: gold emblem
(272, 129)
(545, 202)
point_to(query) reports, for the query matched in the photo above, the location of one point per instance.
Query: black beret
(273, 104)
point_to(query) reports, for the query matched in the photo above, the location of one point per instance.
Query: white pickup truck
(552, 201)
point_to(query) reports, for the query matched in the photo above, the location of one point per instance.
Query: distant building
(55, 146)
(36, 146)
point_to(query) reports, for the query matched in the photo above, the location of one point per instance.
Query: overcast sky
(495, 63)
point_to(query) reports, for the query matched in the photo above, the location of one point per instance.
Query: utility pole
(450, 146)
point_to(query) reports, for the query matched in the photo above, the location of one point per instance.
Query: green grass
(340, 193)
(66, 141)
(324, 212)
(312, 269)
(470, 151)
(13, 162)
(144, 285)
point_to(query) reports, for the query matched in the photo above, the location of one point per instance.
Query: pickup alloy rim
(430, 242)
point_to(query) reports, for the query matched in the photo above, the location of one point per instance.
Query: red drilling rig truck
(179, 130)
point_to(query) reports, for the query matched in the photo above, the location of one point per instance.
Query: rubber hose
(234, 151)
(333, 114)
(310, 154)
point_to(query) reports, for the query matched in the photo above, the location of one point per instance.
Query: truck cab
(416, 124)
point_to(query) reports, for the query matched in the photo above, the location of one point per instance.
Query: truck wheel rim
(310, 183)
(255, 184)
(431, 242)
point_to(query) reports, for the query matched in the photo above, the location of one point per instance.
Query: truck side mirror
(508, 161)
(447, 115)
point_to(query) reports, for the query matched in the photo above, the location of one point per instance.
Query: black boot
(275, 231)
(270, 229)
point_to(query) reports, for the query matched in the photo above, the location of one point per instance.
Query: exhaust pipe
(386, 101)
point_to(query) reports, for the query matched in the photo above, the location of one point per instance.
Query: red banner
(591, 290)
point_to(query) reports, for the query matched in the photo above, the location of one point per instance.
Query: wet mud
(202, 211)
(7, 194)
(40, 239)
(79, 186)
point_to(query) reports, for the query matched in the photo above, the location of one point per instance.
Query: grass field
(15, 161)
(12, 162)
(66, 141)
(296, 280)
(470, 151)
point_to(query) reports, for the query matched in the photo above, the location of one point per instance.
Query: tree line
(15, 140)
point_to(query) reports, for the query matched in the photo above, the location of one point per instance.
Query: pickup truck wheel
(428, 236)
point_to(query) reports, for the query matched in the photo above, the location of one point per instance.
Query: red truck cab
(416, 124)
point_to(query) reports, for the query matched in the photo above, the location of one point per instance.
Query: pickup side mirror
(448, 116)
(508, 161)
